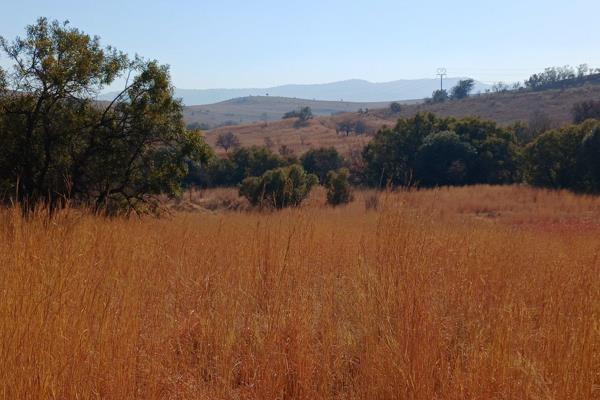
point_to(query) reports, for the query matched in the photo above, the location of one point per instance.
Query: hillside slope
(268, 108)
(504, 108)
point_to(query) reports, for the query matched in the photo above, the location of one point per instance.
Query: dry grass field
(465, 293)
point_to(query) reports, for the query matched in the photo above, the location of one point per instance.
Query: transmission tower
(441, 72)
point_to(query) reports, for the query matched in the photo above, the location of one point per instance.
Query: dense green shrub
(565, 158)
(396, 156)
(338, 187)
(241, 163)
(444, 159)
(278, 188)
(320, 161)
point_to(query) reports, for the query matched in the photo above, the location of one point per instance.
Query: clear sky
(260, 43)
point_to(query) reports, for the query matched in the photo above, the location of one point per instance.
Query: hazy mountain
(354, 90)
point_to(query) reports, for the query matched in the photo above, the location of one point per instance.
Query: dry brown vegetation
(465, 293)
(504, 108)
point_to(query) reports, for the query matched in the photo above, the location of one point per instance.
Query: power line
(441, 72)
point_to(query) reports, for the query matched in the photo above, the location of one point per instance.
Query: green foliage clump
(478, 151)
(320, 161)
(235, 166)
(338, 187)
(462, 89)
(58, 143)
(303, 115)
(444, 159)
(566, 158)
(438, 96)
(278, 188)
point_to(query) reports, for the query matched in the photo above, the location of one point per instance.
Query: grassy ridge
(504, 108)
(480, 292)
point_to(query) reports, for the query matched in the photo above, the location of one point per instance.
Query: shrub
(586, 110)
(444, 159)
(321, 161)
(338, 187)
(279, 188)
(395, 107)
(241, 163)
(562, 159)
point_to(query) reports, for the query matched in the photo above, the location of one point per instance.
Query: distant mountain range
(354, 90)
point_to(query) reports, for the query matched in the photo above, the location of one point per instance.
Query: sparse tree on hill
(438, 96)
(586, 110)
(500, 87)
(462, 89)
(227, 141)
(395, 108)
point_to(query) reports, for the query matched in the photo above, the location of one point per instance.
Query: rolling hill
(268, 108)
(504, 108)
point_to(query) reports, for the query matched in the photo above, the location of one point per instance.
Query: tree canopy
(427, 150)
(57, 143)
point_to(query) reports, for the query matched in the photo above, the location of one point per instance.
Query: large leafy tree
(390, 158)
(57, 142)
(402, 156)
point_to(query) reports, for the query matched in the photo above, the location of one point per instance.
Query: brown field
(504, 108)
(465, 293)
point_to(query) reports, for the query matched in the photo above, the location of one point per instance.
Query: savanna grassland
(465, 293)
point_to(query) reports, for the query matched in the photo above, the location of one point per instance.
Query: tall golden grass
(472, 293)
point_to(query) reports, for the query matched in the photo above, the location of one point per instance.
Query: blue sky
(225, 43)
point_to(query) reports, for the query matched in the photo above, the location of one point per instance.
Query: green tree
(320, 161)
(554, 158)
(338, 187)
(241, 163)
(391, 156)
(590, 158)
(444, 159)
(57, 143)
(462, 89)
(438, 96)
(279, 188)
